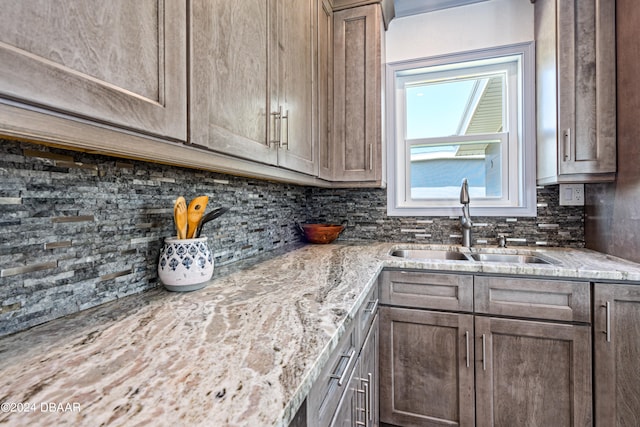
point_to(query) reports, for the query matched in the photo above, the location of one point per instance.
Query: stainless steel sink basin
(425, 254)
(442, 254)
(509, 258)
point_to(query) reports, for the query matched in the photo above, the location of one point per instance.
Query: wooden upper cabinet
(358, 55)
(293, 77)
(252, 80)
(388, 7)
(617, 354)
(229, 103)
(117, 62)
(325, 88)
(576, 90)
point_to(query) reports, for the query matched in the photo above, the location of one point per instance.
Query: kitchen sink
(509, 258)
(442, 254)
(424, 254)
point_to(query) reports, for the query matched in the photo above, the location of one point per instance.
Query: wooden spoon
(194, 213)
(180, 217)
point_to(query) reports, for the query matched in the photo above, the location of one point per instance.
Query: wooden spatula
(194, 213)
(180, 217)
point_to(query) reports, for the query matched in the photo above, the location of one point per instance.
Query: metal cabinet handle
(285, 140)
(373, 307)
(370, 400)
(370, 157)
(276, 117)
(484, 352)
(367, 395)
(607, 330)
(342, 377)
(567, 145)
(466, 336)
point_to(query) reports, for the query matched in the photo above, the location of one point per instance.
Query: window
(468, 115)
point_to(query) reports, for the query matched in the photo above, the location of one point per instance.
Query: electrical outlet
(571, 194)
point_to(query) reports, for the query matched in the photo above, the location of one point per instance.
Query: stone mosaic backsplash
(78, 230)
(365, 211)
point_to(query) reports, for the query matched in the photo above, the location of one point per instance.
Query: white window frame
(518, 154)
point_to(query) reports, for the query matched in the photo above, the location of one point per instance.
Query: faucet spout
(464, 192)
(465, 219)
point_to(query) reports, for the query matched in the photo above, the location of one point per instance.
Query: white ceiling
(414, 7)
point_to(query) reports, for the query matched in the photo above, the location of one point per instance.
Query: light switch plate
(571, 194)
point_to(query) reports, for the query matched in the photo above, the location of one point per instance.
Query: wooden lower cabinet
(617, 354)
(348, 409)
(532, 373)
(359, 404)
(426, 368)
(436, 371)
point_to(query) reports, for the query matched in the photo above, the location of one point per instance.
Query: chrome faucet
(465, 219)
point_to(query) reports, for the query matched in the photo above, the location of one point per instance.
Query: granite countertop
(244, 350)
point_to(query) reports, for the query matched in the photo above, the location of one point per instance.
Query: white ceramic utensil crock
(185, 264)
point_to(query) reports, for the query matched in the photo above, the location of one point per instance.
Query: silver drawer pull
(567, 145)
(466, 336)
(607, 329)
(366, 391)
(484, 352)
(341, 377)
(284, 140)
(370, 400)
(372, 308)
(276, 125)
(365, 411)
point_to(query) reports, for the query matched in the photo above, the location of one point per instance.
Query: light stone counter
(243, 351)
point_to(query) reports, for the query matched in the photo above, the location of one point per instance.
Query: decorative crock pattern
(185, 262)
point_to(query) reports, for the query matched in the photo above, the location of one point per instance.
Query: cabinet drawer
(533, 298)
(438, 291)
(366, 314)
(327, 390)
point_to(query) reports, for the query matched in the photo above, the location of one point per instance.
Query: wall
(365, 211)
(612, 222)
(459, 29)
(92, 226)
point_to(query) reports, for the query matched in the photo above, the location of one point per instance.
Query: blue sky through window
(435, 110)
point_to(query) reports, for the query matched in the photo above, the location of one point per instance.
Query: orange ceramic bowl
(321, 233)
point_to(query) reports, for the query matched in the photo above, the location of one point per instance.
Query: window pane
(466, 106)
(436, 171)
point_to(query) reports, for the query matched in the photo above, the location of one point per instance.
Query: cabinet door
(617, 354)
(333, 382)
(325, 89)
(369, 377)
(358, 405)
(426, 368)
(357, 78)
(229, 86)
(532, 373)
(576, 90)
(347, 412)
(295, 56)
(117, 62)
